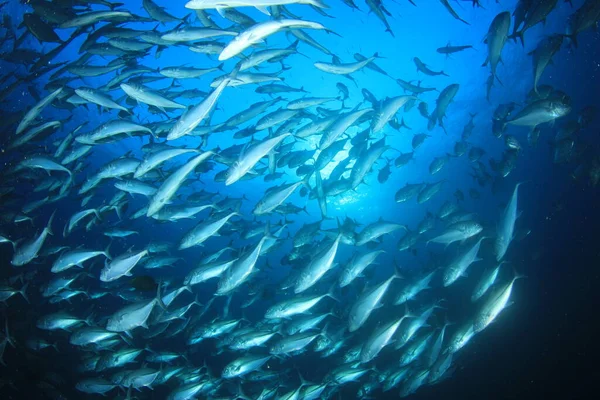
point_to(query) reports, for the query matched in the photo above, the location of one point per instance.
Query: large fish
(540, 112)
(249, 157)
(121, 266)
(459, 231)
(379, 339)
(135, 315)
(192, 117)
(260, 31)
(388, 110)
(542, 56)
(344, 69)
(204, 230)
(75, 258)
(244, 365)
(260, 5)
(458, 266)
(144, 95)
(494, 304)
(35, 111)
(241, 269)
(172, 183)
(366, 303)
(317, 267)
(495, 39)
(357, 265)
(505, 230)
(29, 250)
(537, 12)
(439, 113)
(294, 306)
(275, 197)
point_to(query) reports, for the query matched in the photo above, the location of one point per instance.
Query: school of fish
(64, 180)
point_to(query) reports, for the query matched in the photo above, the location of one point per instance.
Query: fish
(379, 339)
(422, 67)
(448, 49)
(488, 278)
(537, 12)
(458, 266)
(540, 112)
(379, 10)
(317, 267)
(36, 110)
(448, 7)
(75, 258)
(344, 69)
(494, 304)
(244, 365)
(144, 95)
(192, 117)
(495, 40)
(29, 250)
(158, 13)
(506, 228)
(93, 17)
(259, 32)
(241, 269)
(121, 266)
(377, 229)
(260, 5)
(459, 231)
(387, 110)
(135, 315)
(357, 265)
(275, 197)
(173, 182)
(368, 301)
(249, 157)
(445, 98)
(542, 56)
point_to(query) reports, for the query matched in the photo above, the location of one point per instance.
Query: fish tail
(8, 338)
(49, 226)
(520, 35)
(573, 39)
(23, 292)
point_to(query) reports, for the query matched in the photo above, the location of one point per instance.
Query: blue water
(556, 208)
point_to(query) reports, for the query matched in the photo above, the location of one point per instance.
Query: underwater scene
(299, 199)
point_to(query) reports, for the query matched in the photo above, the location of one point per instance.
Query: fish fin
(221, 11)
(262, 9)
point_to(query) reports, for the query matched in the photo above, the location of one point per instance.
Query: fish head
(234, 173)
(276, 348)
(477, 228)
(449, 277)
(236, 46)
(274, 312)
(559, 109)
(104, 275)
(231, 370)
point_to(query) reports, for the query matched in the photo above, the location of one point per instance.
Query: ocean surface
(543, 340)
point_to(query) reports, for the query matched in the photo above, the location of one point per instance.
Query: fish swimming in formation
(220, 193)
